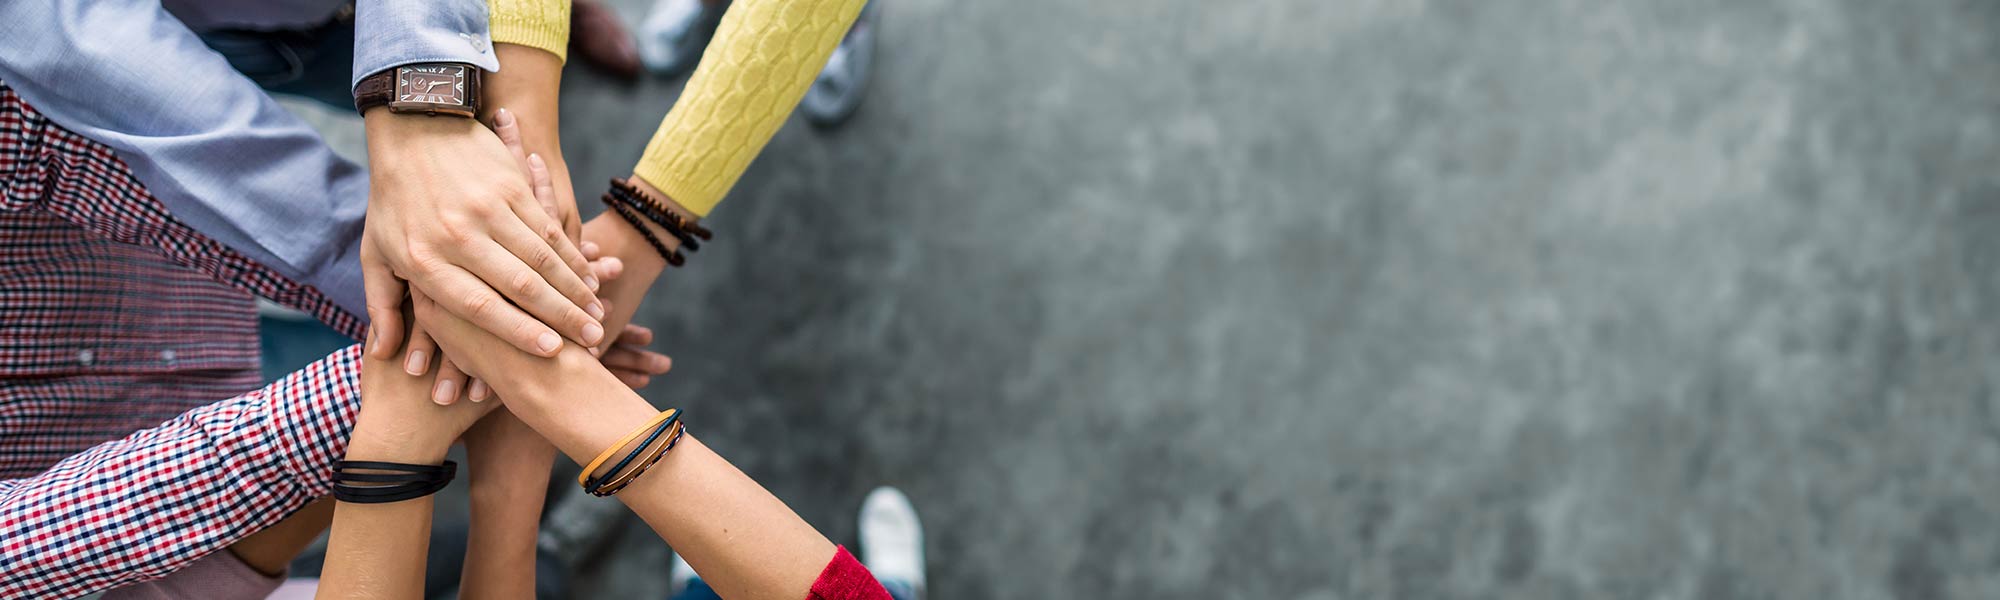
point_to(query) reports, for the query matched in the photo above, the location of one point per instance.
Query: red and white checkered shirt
(115, 316)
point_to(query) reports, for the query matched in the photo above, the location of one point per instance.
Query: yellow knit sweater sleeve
(764, 56)
(534, 23)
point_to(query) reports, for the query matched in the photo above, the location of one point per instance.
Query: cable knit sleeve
(764, 56)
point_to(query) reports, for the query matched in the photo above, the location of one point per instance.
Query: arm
(211, 148)
(452, 217)
(744, 541)
(694, 157)
(138, 508)
(378, 550)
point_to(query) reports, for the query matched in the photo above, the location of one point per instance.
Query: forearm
(744, 541)
(764, 56)
(508, 474)
(378, 550)
(125, 510)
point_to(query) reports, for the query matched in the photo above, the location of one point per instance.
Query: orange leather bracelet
(584, 477)
(652, 455)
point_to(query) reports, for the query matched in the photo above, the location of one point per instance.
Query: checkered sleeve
(144, 506)
(47, 167)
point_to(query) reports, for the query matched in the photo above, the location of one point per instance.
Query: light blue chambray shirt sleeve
(213, 147)
(389, 33)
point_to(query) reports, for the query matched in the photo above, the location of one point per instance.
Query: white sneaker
(679, 576)
(841, 84)
(892, 539)
(675, 32)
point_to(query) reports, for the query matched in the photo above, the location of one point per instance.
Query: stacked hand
(452, 214)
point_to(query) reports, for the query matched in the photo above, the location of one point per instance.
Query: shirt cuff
(392, 33)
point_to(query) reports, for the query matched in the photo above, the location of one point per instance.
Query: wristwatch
(422, 88)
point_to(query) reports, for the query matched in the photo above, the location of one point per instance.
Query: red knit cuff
(845, 579)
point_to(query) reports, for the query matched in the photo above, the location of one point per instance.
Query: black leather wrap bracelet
(387, 481)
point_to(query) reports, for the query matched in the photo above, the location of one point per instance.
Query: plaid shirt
(115, 316)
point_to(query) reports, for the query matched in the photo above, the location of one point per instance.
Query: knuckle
(481, 306)
(524, 284)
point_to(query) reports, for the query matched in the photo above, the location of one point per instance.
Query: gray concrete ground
(1370, 299)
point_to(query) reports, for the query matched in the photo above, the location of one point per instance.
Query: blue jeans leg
(310, 63)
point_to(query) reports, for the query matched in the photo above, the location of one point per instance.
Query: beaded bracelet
(656, 210)
(389, 482)
(667, 423)
(667, 220)
(672, 257)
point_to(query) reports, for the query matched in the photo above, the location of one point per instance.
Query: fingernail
(479, 391)
(446, 392)
(592, 332)
(503, 117)
(596, 309)
(417, 363)
(597, 351)
(591, 280)
(536, 160)
(549, 342)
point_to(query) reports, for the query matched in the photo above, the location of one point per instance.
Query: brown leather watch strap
(375, 90)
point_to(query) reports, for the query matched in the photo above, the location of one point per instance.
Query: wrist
(385, 129)
(395, 438)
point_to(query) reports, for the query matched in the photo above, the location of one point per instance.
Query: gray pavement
(1370, 299)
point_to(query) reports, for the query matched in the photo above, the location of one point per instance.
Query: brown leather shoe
(597, 36)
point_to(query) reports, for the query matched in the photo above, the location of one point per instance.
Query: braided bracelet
(645, 454)
(388, 481)
(653, 455)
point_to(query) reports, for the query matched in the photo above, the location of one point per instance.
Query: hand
(397, 424)
(450, 214)
(451, 382)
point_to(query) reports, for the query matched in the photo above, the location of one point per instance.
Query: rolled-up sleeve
(139, 508)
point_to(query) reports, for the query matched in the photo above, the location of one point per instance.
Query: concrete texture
(1370, 299)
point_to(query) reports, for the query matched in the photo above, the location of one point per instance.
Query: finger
(636, 335)
(417, 360)
(591, 251)
(631, 379)
(535, 278)
(545, 195)
(450, 383)
(384, 293)
(607, 269)
(471, 300)
(545, 190)
(638, 361)
(478, 391)
(509, 130)
(551, 233)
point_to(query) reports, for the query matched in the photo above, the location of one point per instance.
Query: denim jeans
(310, 63)
(696, 590)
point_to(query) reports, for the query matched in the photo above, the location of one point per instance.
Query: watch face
(431, 84)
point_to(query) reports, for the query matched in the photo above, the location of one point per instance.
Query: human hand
(397, 424)
(450, 214)
(451, 382)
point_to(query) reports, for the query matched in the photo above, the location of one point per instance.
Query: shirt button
(477, 42)
(167, 355)
(86, 357)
